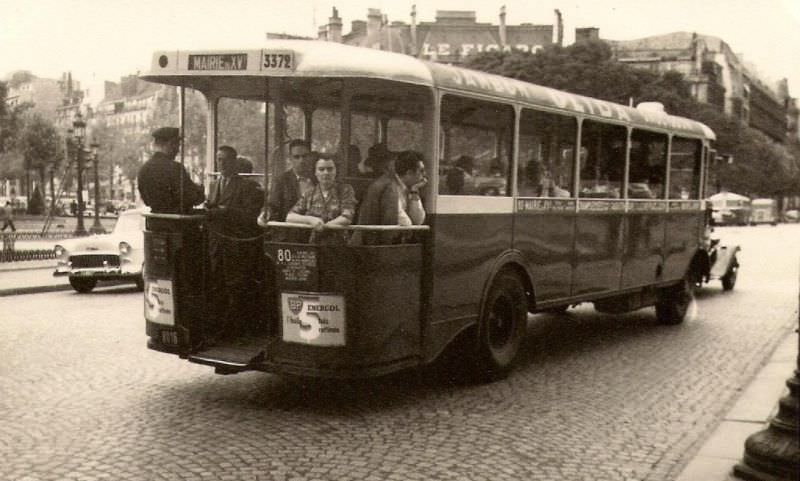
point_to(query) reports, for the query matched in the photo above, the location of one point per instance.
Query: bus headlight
(124, 248)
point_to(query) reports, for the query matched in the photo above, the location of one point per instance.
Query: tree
(39, 145)
(11, 123)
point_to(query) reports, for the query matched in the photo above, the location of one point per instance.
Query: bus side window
(648, 165)
(684, 170)
(602, 160)
(546, 154)
(477, 140)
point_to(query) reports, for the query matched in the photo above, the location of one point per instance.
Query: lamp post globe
(97, 227)
(79, 133)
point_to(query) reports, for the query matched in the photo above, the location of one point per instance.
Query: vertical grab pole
(181, 126)
(280, 127)
(265, 169)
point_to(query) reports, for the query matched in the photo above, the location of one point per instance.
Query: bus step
(232, 356)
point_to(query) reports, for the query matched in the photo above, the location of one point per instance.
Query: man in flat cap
(161, 179)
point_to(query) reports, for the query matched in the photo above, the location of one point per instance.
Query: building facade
(449, 39)
(717, 77)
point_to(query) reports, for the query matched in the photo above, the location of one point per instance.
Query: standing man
(161, 179)
(7, 216)
(234, 244)
(289, 186)
(393, 198)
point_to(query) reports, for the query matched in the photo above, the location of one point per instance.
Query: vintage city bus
(572, 200)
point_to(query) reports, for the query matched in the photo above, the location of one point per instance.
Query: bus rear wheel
(502, 327)
(674, 303)
(82, 285)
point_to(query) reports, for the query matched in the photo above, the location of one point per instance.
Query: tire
(82, 285)
(502, 326)
(729, 279)
(671, 309)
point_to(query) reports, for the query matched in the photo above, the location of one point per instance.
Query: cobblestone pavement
(595, 397)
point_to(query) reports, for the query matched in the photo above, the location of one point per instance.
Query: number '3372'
(277, 60)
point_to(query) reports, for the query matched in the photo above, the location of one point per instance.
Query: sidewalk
(29, 277)
(751, 413)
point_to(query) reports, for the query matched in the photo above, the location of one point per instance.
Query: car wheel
(82, 285)
(729, 279)
(502, 327)
(674, 303)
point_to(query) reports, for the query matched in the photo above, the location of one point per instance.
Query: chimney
(414, 48)
(335, 27)
(586, 34)
(374, 21)
(503, 26)
(559, 28)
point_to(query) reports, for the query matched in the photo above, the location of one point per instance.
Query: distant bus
(584, 201)
(728, 208)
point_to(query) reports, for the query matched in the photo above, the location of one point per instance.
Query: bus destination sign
(223, 61)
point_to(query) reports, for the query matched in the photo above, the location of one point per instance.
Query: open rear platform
(232, 356)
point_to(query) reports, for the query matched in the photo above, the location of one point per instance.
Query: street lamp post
(97, 227)
(79, 132)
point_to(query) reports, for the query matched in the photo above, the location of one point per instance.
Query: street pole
(97, 227)
(773, 454)
(79, 127)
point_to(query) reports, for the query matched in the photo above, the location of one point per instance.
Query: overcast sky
(105, 39)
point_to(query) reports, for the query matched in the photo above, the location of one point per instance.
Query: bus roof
(313, 58)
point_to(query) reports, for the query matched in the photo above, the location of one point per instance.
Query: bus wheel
(502, 327)
(674, 303)
(82, 285)
(729, 279)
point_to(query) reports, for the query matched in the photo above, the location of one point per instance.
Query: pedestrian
(164, 185)
(234, 245)
(7, 216)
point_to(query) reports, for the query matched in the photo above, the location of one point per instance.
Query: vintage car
(115, 256)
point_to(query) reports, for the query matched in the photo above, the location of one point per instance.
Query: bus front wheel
(502, 327)
(674, 303)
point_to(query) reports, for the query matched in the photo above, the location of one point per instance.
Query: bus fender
(511, 259)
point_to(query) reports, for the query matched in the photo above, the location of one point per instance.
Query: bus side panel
(682, 240)
(382, 290)
(644, 249)
(466, 248)
(546, 241)
(598, 253)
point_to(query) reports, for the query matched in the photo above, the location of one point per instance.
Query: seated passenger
(393, 198)
(377, 156)
(459, 177)
(327, 203)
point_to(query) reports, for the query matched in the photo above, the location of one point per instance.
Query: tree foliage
(761, 168)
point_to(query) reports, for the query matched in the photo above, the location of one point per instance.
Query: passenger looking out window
(602, 160)
(648, 165)
(547, 154)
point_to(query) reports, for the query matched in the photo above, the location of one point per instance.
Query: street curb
(16, 291)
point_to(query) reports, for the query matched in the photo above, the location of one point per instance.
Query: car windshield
(128, 223)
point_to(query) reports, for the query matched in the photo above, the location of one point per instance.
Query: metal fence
(12, 255)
